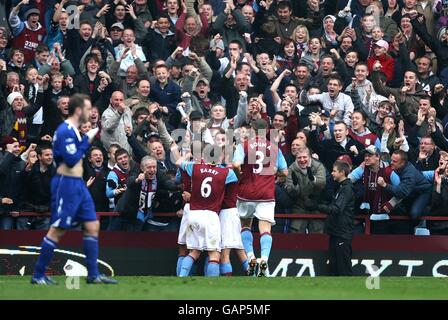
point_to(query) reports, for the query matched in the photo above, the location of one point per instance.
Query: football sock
(248, 239)
(46, 254)
(245, 264)
(91, 251)
(225, 269)
(265, 244)
(194, 269)
(187, 262)
(179, 264)
(206, 265)
(213, 268)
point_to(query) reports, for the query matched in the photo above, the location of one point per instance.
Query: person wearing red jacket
(381, 61)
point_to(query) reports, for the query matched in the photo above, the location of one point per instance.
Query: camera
(157, 114)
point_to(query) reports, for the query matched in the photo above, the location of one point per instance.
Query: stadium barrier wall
(360, 218)
(155, 253)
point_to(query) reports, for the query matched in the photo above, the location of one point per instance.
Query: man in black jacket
(340, 221)
(341, 144)
(137, 203)
(11, 167)
(36, 180)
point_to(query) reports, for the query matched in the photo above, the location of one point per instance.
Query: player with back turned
(258, 161)
(208, 183)
(71, 202)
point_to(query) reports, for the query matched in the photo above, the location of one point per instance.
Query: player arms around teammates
(258, 161)
(71, 202)
(208, 182)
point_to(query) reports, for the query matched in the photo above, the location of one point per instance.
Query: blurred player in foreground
(71, 202)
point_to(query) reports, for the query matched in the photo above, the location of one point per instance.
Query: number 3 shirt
(259, 162)
(208, 185)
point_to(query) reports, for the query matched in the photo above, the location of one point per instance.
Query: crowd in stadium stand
(362, 81)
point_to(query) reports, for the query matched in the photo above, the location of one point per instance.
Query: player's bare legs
(265, 245)
(225, 267)
(248, 243)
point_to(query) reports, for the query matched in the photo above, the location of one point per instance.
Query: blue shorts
(71, 202)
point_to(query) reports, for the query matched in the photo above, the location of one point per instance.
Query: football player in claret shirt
(208, 183)
(258, 161)
(229, 219)
(71, 201)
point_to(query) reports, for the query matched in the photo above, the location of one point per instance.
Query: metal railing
(366, 218)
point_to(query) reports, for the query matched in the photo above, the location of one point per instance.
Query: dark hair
(342, 166)
(89, 153)
(40, 149)
(292, 84)
(240, 66)
(341, 122)
(326, 56)
(163, 15)
(91, 56)
(140, 111)
(85, 22)
(403, 155)
(361, 63)
(301, 64)
(121, 151)
(284, 5)
(144, 79)
(76, 101)
(240, 45)
(336, 77)
(363, 115)
(283, 114)
(14, 50)
(115, 145)
(42, 48)
(413, 71)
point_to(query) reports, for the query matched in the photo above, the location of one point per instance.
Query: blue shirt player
(71, 202)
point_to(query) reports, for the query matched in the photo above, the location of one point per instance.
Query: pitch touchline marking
(70, 253)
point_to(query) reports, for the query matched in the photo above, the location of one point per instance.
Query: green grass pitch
(167, 288)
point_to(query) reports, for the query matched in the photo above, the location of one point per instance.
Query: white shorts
(230, 229)
(203, 231)
(261, 210)
(181, 239)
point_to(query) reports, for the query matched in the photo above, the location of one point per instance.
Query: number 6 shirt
(208, 185)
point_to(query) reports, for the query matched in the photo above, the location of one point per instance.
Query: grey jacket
(113, 130)
(306, 191)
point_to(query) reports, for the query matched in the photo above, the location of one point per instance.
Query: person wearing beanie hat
(14, 117)
(26, 35)
(330, 36)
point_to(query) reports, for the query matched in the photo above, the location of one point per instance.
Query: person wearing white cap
(26, 35)
(14, 118)
(381, 61)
